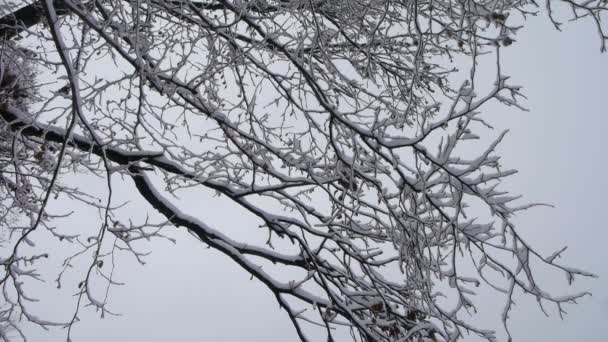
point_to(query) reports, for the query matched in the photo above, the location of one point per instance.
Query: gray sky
(186, 292)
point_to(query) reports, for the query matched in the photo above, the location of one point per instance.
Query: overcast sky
(186, 292)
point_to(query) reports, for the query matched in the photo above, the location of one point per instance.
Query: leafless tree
(341, 125)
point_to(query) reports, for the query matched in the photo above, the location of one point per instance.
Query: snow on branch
(343, 127)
